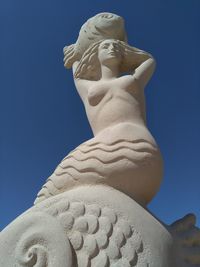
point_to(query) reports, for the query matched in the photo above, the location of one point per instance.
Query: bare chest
(123, 85)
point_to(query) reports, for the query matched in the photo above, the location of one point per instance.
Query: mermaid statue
(92, 211)
(110, 77)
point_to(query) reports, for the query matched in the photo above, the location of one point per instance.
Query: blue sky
(42, 117)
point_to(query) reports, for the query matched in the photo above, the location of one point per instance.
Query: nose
(111, 47)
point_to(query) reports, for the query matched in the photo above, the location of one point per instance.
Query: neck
(108, 73)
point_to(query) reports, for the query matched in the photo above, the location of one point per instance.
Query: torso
(116, 110)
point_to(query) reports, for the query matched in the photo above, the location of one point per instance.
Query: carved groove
(89, 143)
(110, 161)
(94, 161)
(83, 170)
(109, 149)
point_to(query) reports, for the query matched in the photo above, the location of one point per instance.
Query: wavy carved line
(83, 170)
(110, 149)
(51, 179)
(47, 188)
(42, 193)
(113, 160)
(57, 174)
(119, 141)
(150, 150)
(54, 185)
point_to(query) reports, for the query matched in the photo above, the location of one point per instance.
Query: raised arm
(144, 72)
(81, 84)
(70, 60)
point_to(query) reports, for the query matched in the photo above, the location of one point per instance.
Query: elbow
(152, 64)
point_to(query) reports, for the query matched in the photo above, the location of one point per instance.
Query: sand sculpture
(92, 210)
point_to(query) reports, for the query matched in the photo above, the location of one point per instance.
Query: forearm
(144, 72)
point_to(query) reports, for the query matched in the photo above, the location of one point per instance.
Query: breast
(96, 94)
(116, 87)
(113, 107)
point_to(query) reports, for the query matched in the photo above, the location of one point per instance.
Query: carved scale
(91, 212)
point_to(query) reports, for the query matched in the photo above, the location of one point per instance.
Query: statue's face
(109, 52)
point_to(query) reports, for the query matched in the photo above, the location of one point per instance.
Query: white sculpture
(110, 78)
(92, 210)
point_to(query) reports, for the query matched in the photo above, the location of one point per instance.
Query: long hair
(89, 67)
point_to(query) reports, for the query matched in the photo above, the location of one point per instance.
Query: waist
(124, 131)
